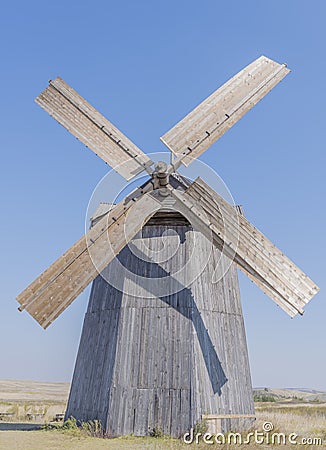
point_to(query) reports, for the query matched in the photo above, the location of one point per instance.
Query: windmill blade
(55, 289)
(255, 255)
(89, 126)
(214, 116)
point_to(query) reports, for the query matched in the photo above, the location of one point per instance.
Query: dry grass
(35, 391)
(32, 397)
(52, 440)
(307, 420)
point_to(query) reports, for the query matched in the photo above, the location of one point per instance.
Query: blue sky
(144, 65)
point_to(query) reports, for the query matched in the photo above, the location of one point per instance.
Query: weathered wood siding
(163, 361)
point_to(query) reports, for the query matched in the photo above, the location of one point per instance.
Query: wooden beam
(89, 126)
(190, 137)
(55, 289)
(228, 416)
(262, 261)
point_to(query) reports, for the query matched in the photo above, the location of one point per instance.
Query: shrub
(93, 428)
(157, 432)
(201, 427)
(70, 424)
(264, 398)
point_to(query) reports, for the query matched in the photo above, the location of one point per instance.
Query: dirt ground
(54, 440)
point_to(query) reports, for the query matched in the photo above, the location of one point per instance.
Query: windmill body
(169, 353)
(147, 361)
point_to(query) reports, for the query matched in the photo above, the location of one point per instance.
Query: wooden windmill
(152, 358)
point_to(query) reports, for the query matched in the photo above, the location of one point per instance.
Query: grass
(307, 410)
(21, 408)
(52, 440)
(264, 398)
(289, 411)
(307, 421)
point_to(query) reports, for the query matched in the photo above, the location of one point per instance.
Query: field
(29, 404)
(29, 400)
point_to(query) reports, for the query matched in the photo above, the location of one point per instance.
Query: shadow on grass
(9, 426)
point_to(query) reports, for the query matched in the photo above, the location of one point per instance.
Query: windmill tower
(167, 348)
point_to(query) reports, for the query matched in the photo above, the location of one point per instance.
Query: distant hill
(292, 394)
(28, 390)
(32, 401)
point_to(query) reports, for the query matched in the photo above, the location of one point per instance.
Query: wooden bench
(59, 417)
(34, 416)
(6, 415)
(214, 421)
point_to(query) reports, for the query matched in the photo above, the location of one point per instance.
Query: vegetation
(23, 411)
(201, 427)
(286, 410)
(91, 428)
(309, 410)
(264, 398)
(157, 432)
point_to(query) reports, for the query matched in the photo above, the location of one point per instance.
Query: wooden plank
(263, 262)
(54, 290)
(228, 416)
(260, 246)
(200, 221)
(190, 137)
(89, 126)
(62, 263)
(229, 227)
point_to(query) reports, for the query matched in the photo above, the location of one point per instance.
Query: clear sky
(144, 65)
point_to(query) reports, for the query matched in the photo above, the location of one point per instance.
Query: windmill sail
(55, 289)
(89, 126)
(190, 137)
(255, 254)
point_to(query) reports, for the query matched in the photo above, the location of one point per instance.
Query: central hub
(161, 174)
(161, 167)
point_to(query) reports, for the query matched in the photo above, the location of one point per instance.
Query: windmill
(170, 353)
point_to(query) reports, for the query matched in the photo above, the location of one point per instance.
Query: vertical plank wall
(149, 360)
